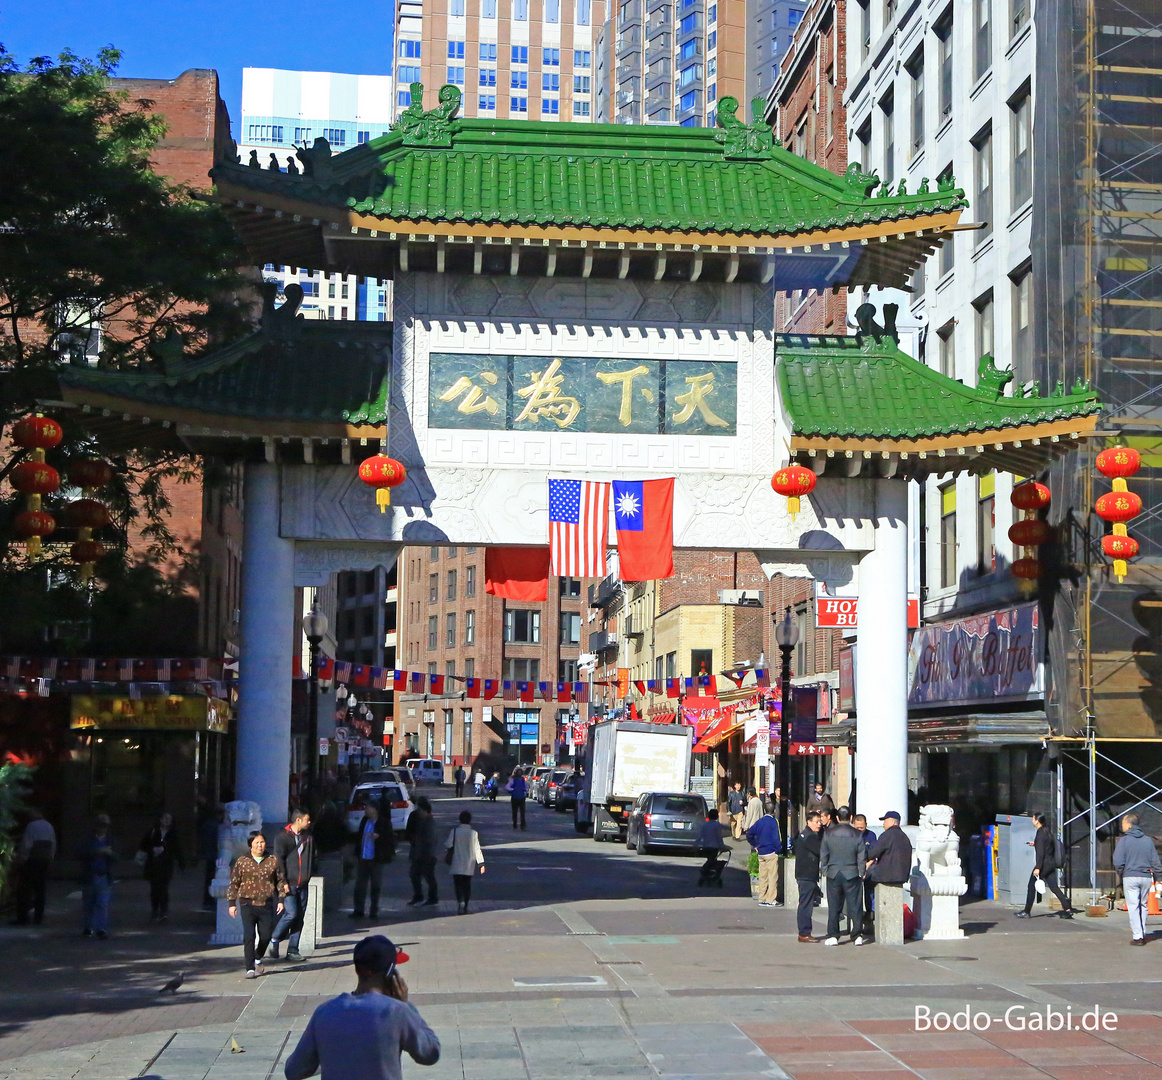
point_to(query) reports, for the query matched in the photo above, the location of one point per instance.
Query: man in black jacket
(807, 848)
(374, 846)
(421, 837)
(889, 859)
(294, 848)
(841, 860)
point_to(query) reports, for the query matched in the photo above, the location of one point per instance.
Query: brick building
(448, 625)
(805, 108)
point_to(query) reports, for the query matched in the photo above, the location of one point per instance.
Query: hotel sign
(582, 394)
(174, 712)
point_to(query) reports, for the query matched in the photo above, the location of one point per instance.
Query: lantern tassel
(1120, 484)
(1120, 569)
(383, 499)
(32, 546)
(792, 505)
(1120, 529)
(86, 571)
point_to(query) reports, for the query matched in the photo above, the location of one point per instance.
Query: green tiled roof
(293, 371)
(433, 167)
(858, 387)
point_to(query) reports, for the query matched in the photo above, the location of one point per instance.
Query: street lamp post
(314, 629)
(786, 637)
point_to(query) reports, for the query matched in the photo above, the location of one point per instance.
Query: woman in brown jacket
(257, 886)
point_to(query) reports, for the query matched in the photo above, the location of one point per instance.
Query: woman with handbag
(257, 886)
(464, 856)
(159, 852)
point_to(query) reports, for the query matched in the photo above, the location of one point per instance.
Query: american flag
(578, 526)
(581, 692)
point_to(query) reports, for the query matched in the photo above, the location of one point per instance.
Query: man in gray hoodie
(1136, 859)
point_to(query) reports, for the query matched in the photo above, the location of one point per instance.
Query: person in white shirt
(34, 856)
(466, 858)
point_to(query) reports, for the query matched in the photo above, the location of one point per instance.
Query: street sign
(341, 734)
(324, 746)
(762, 744)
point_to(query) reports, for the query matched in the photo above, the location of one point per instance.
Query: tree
(91, 237)
(15, 783)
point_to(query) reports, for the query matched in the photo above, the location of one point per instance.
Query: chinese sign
(545, 393)
(977, 660)
(172, 713)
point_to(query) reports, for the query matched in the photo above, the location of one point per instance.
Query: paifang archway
(576, 300)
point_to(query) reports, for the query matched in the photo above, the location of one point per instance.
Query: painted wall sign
(978, 659)
(547, 393)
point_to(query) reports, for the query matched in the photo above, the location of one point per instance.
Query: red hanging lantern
(1121, 549)
(1118, 507)
(86, 514)
(382, 473)
(89, 473)
(1026, 569)
(37, 433)
(87, 552)
(794, 482)
(1030, 496)
(1117, 463)
(34, 478)
(31, 525)
(1030, 532)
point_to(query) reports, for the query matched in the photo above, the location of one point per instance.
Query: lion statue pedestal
(937, 882)
(242, 818)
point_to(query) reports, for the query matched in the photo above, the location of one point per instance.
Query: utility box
(1015, 858)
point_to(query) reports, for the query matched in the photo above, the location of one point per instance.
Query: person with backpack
(1050, 855)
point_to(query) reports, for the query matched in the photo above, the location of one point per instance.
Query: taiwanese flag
(326, 669)
(564, 692)
(473, 687)
(437, 684)
(490, 688)
(399, 679)
(418, 680)
(644, 513)
(362, 675)
(526, 691)
(517, 573)
(673, 688)
(710, 683)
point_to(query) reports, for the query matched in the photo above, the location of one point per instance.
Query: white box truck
(623, 758)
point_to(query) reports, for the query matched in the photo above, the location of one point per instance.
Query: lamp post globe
(315, 626)
(786, 631)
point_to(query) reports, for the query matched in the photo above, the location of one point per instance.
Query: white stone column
(264, 674)
(881, 675)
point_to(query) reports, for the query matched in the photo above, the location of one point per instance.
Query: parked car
(427, 770)
(662, 819)
(394, 796)
(553, 783)
(567, 792)
(537, 781)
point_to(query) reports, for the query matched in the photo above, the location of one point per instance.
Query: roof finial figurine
(859, 181)
(433, 128)
(254, 163)
(990, 377)
(316, 160)
(753, 141)
(291, 168)
(274, 166)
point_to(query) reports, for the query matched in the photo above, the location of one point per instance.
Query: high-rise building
(670, 61)
(512, 59)
(284, 110)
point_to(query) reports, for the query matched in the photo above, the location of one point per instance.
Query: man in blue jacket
(764, 837)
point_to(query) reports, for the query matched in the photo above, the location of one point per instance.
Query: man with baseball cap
(889, 860)
(363, 1034)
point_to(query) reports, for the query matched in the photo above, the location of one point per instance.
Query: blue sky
(159, 39)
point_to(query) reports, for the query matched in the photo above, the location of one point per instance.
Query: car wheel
(642, 847)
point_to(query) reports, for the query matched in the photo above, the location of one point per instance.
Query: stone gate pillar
(881, 675)
(264, 673)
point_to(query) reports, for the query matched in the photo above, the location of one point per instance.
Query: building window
(916, 70)
(456, 76)
(450, 669)
(433, 588)
(409, 49)
(467, 716)
(470, 628)
(520, 10)
(522, 627)
(469, 582)
(433, 630)
(948, 535)
(947, 349)
(944, 58)
(433, 554)
(451, 552)
(712, 14)
(569, 586)
(519, 80)
(689, 24)
(552, 11)
(469, 668)
(711, 93)
(887, 110)
(701, 661)
(986, 524)
(488, 9)
(690, 49)
(488, 76)
(518, 104)
(689, 100)
(520, 54)
(451, 594)
(550, 57)
(829, 104)
(331, 290)
(580, 108)
(522, 669)
(582, 58)
(447, 755)
(409, 73)
(1021, 124)
(982, 163)
(1022, 322)
(570, 627)
(456, 7)
(984, 325)
(864, 29)
(488, 50)
(948, 246)
(488, 102)
(583, 12)
(550, 80)
(1020, 16)
(567, 670)
(982, 18)
(450, 630)
(581, 84)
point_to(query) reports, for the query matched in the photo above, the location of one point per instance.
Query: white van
(427, 770)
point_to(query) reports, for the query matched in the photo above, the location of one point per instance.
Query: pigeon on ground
(171, 987)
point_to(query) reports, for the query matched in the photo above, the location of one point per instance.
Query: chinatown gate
(582, 301)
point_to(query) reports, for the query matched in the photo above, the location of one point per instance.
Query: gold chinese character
(701, 387)
(544, 398)
(475, 400)
(626, 378)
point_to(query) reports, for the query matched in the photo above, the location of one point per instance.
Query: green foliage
(92, 238)
(752, 864)
(15, 782)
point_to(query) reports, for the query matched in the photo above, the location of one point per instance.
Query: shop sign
(810, 749)
(847, 678)
(174, 712)
(839, 611)
(977, 660)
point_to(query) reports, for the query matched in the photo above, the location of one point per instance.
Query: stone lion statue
(242, 818)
